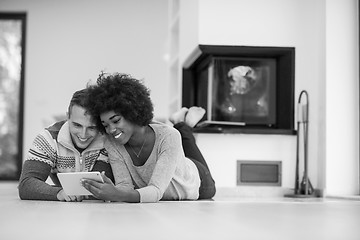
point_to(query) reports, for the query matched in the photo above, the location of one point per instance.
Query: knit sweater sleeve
(32, 185)
(40, 158)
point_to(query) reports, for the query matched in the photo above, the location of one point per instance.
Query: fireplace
(243, 88)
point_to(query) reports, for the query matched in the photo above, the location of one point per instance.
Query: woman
(148, 160)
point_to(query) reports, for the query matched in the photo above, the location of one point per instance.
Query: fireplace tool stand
(303, 188)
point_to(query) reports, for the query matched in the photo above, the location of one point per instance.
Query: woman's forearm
(123, 194)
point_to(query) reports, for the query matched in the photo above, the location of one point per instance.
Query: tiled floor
(222, 218)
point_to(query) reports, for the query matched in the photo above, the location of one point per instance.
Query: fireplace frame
(285, 85)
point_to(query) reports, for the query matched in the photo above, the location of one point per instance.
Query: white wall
(70, 42)
(342, 97)
(267, 23)
(308, 26)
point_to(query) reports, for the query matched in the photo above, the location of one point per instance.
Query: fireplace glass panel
(244, 89)
(239, 91)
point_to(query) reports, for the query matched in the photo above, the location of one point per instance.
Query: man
(73, 145)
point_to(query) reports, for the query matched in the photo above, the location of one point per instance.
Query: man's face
(82, 130)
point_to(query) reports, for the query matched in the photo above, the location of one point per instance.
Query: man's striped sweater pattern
(53, 151)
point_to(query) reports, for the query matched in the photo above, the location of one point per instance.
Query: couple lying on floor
(110, 129)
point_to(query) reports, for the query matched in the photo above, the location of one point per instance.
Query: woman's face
(117, 126)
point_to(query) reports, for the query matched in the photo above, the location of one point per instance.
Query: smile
(82, 139)
(118, 135)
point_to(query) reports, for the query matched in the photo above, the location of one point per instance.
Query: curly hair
(122, 94)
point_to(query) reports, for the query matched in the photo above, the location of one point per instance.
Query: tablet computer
(71, 182)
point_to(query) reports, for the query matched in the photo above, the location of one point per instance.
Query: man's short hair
(78, 98)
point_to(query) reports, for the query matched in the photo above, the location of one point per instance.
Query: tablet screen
(71, 182)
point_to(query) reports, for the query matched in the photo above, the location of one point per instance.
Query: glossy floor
(222, 218)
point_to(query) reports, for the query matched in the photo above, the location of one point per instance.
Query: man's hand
(61, 196)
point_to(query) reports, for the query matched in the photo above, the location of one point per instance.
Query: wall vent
(258, 173)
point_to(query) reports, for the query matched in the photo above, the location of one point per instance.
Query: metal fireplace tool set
(303, 188)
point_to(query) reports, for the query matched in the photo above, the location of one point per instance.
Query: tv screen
(238, 91)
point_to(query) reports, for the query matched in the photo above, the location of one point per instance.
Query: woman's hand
(108, 192)
(105, 191)
(61, 196)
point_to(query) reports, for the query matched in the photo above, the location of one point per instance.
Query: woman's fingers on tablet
(91, 182)
(105, 178)
(91, 186)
